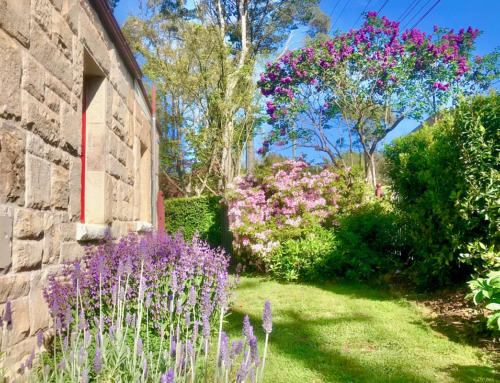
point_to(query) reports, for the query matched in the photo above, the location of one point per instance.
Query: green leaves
(486, 292)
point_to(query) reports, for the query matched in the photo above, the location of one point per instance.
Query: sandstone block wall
(43, 44)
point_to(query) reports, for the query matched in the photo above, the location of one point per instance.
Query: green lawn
(351, 333)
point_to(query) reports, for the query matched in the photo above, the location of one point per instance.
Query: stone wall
(43, 48)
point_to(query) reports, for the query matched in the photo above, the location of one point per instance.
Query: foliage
(287, 204)
(343, 332)
(202, 56)
(113, 3)
(446, 180)
(486, 291)
(113, 347)
(368, 242)
(192, 215)
(306, 258)
(170, 270)
(367, 81)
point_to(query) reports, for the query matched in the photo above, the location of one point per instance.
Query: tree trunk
(250, 152)
(370, 172)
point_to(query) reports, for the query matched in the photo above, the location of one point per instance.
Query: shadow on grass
(473, 374)
(296, 339)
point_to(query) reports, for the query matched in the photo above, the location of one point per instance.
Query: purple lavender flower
(187, 318)
(81, 356)
(87, 337)
(139, 347)
(173, 348)
(39, 338)
(254, 351)
(47, 370)
(85, 376)
(247, 328)
(224, 350)
(149, 295)
(206, 329)
(242, 372)
(29, 361)
(192, 296)
(62, 364)
(21, 369)
(97, 361)
(236, 348)
(267, 319)
(168, 377)
(7, 315)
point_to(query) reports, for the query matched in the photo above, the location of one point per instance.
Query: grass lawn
(351, 333)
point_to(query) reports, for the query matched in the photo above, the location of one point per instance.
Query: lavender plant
(142, 309)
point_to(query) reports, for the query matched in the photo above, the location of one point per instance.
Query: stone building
(76, 152)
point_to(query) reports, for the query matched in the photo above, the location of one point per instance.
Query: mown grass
(352, 333)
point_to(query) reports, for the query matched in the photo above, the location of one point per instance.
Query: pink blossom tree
(368, 81)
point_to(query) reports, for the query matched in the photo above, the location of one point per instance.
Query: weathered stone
(58, 88)
(71, 130)
(27, 255)
(47, 54)
(14, 355)
(52, 100)
(10, 77)
(89, 232)
(71, 251)
(39, 310)
(75, 183)
(14, 286)
(95, 43)
(20, 327)
(38, 183)
(5, 243)
(14, 20)
(51, 240)
(41, 121)
(70, 11)
(41, 11)
(28, 224)
(62, 35)
(33, 77)
(12, 176)
(59, 193)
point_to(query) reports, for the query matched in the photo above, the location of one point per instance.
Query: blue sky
(481, 14)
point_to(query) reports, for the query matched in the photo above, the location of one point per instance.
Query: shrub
(486, 291)
(368, 242)
(287, 204)
(446, 178)
(307, 258)
(195, 214)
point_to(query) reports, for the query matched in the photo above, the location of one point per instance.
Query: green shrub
(305, 258)
(195, 214)
(486, 291)
(446, 180)
(369, 242)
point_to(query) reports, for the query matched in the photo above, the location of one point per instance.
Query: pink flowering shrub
(290, 203)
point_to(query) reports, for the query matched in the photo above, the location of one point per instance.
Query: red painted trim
(84, 151)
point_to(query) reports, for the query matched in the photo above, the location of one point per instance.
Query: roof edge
(113, 28)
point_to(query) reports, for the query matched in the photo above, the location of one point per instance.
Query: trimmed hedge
(195, 214)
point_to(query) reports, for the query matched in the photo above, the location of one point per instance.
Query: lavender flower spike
(267, 318)
(39, 338)
(247, 328)
(7, 315)
(97, 361)
(85, 376)
(168, 377)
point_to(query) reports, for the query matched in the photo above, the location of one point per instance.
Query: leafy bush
(486, 291)
(446, 179)
(287, 204)
(368, 242)
(195, 214)
(307, 258)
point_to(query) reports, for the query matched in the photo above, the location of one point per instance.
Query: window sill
(143, 226)
(91, 232)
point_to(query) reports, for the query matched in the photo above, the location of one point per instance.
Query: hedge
(195, 214)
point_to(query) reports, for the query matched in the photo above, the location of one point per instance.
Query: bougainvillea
(264, 210)
(370, 79)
